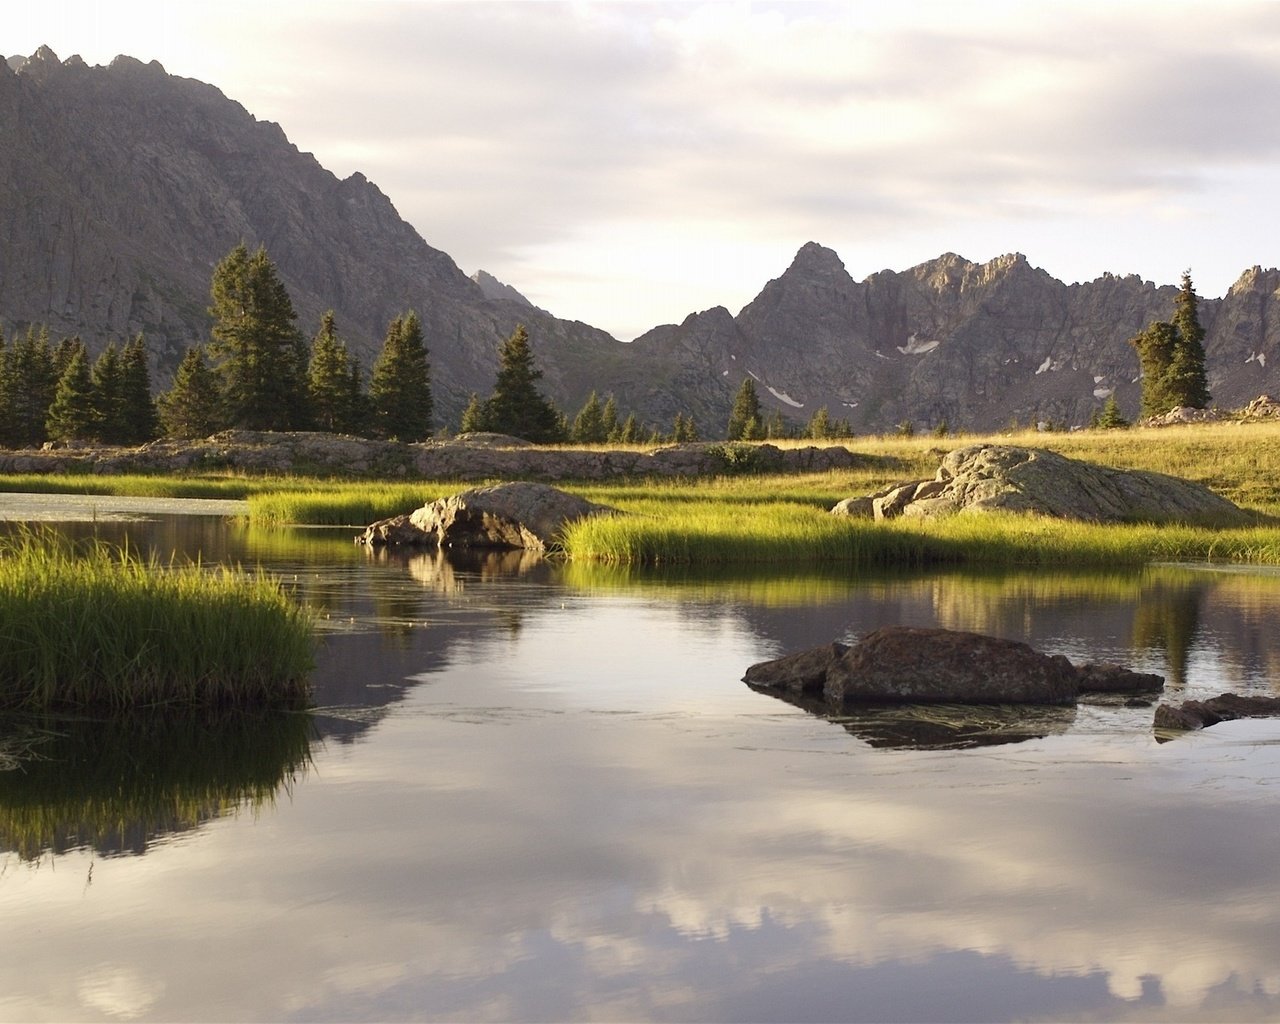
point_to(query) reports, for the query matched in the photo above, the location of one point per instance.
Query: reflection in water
(588, 816)
(1166, 618)
(118, 785)
(937, 726)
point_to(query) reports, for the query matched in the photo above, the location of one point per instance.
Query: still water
(532, 791)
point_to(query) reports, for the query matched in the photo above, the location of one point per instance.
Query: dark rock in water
(1108, 678)
(987, 477)
(1226, 707)
(901, 663)
(802, 673)
(512, 515)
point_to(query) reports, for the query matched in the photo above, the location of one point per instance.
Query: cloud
(535, 139)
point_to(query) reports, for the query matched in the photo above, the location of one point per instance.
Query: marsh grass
(95, 626)
(341, 504)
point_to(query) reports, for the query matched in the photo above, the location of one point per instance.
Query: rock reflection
(938, 726)
(118, 786)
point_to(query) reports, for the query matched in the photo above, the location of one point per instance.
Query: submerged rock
(986, 477)
(1226, 707)
(901, 664)
(524, 515)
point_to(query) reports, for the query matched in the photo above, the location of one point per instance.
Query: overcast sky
(628, 163)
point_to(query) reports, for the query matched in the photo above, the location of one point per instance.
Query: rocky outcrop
(1226, 707)
(525, 515)
(901, 664)
(466, 457)
(987, 477)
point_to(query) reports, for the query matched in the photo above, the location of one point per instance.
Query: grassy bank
(93, 626)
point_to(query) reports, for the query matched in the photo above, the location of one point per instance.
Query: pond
(534, 791)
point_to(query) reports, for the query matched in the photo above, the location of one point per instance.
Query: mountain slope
(121, 188)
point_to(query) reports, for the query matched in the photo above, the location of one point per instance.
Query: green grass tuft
(93, 626)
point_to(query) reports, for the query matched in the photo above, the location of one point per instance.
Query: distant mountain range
(122, 186)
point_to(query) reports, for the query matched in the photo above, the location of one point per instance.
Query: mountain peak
(816, 260)
(499, 291)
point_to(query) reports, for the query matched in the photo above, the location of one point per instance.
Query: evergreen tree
(679, 429)
(1171, 355)
(67, 348)
(473, 417)
(400, 387)
(1110, 418)
(28, 387)
(588, 425)
(775, 426)
(193, 406)
(262, 355)
(744, 420)
(630, 432)
(329, 384)
(1187, 378)
(6, 420)
(819, 426)
(609, 419)
(108, 405)
(72, 416)
(138, 416)
(1155, 345)
(516, 406)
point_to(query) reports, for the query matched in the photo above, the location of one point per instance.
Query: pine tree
(744, 420)
(72, 416)
(193, 406)
(775, 426)
(473, 420)
(400, 387)
(28, 387)
(629, 432)
(516, 406)
(139, 419)
(588, 425)
(1155, 345)
(1171, 355)
(609, 419)
(1110, 418)
(329, 383)
(262, 357)
(66, 348)
(108, 407)
(679, 429)
(819, 426)
(1187, 378)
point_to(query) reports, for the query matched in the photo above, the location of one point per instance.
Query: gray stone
(988, 477)
(523, 514)
(1109, 678)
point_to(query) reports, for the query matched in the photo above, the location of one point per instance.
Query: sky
(628, 163)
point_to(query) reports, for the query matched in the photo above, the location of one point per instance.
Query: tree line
(258, 372)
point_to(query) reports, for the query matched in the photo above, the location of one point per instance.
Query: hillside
(122, 186)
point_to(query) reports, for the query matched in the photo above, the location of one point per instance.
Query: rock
(1108, 678)
(802, 673)
(856, 508)
(900, 664)
(511, 515)
(988, 477)
(1226, 707)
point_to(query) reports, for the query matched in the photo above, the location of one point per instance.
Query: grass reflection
(117, 786)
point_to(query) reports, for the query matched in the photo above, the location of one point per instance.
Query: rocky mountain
(122, 186)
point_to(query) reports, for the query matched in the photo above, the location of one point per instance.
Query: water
(537, 792)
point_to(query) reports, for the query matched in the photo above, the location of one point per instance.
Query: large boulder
(524, 515)
(986, 477)
(902, 664)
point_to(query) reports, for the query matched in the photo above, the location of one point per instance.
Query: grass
(93, 626)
